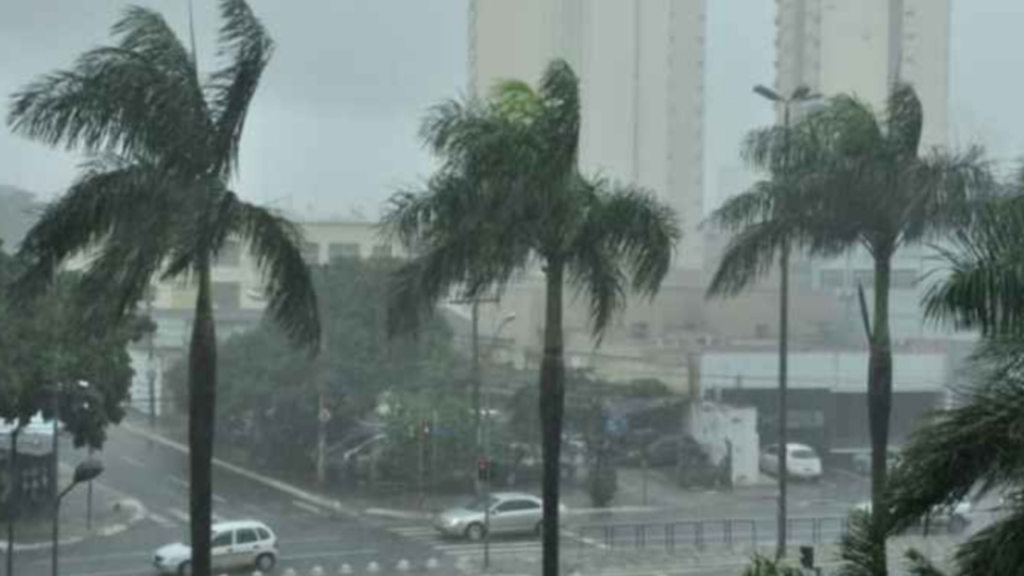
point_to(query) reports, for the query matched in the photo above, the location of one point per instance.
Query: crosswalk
(526, 547)
(178, 517)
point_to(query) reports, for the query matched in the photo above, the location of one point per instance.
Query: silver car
(510, 513)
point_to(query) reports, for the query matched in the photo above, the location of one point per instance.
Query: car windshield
(802, 454)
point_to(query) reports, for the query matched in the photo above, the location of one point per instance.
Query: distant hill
(18, 211)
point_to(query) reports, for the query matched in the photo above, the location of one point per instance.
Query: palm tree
(509, 195)
(976, 446)
(154, 199)
(878, 192)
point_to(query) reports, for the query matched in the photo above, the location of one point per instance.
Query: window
(831, 279)
(381, 251)
(904, 279)
(221, 540)
(226, 295)
(311, 252)
(342, 250)
(264, 534)
(246, 536)
(517, 506)
(230, 254)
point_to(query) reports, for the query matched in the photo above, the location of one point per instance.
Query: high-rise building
(641, 69)
(859, 47)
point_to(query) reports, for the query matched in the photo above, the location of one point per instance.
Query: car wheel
(265, 562)
(185, 568)
(475, 531)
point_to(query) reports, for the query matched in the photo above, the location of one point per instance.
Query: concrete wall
(717, 426)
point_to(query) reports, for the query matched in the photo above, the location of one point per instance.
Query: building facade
(641, 69)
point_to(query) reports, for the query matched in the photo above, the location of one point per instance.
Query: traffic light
(807, 556)
(483, 470)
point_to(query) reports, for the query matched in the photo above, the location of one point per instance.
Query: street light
(505, 321)
(84, 472)
(800, 94)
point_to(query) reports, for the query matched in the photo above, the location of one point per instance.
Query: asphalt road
(311, 535)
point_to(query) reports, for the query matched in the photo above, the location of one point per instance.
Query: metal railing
(708, 533)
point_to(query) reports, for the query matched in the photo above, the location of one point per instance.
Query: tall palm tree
(154, 199)
(509, 195)
(878, 192)
(977, 446)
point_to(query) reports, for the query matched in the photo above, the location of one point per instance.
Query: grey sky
(334, 124)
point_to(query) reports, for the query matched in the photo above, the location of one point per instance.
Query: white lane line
(165, 522)
(217, 517)
(480, 547)
(179, 482)
(179, 514)
(129, 572)
(219, 499)
(96, 557)
(335, 554)
(411, 531)
(133, 461)
(308, 507)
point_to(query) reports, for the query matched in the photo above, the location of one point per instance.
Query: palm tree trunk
(880, 395)
(202, 375)
(552, 393)
(783, 408)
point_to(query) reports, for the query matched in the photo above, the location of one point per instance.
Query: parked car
(954, 517)
(801, 461)
(667, 450)
(239, 544)
(510, 513)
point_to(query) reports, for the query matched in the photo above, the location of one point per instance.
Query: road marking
(219, 499)
(479, 546)
(129, 572)
(415, 530)
(217, 517)
(179, 514)
(179, 482)
(336, 554)
(133, 461)
(96, 557)
(308, 507)
(165, 522)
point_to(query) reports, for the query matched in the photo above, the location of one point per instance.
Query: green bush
(762, 566)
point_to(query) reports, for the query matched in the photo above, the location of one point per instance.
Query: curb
(328, 503)
(138, 513)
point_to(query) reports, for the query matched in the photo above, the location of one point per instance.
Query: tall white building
(860, 46)
(641, 66)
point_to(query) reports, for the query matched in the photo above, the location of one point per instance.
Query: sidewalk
(112, 513)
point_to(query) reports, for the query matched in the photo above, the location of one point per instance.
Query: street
(703, 530)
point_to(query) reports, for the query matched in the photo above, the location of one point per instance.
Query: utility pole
(323, 417)
(475, 379)
(13, 496)
(151, 372)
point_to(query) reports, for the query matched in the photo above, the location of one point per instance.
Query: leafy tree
(976, 446)
(269, 390)
(154, 198)
(508, 196)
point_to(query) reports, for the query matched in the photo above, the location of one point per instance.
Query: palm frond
(919, 565)
(595, 273)
(985, 288)
(945, 190)
(904, 121)
(958, 449)
(994, 550)
(749, 207)
(558, 127)
(638, 230)
(140, 98)
(111, 197)
(248, 47)
(750, 254)
(275, 244)
(862, 547)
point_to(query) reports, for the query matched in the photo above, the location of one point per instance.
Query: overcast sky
(334, 125)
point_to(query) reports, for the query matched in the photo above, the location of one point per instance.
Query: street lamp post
(84, 472)
(800, 94)
(508, 319)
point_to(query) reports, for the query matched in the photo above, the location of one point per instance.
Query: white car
(801, 461)
(239, 544)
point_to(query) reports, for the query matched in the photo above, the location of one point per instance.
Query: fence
(708, 533)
